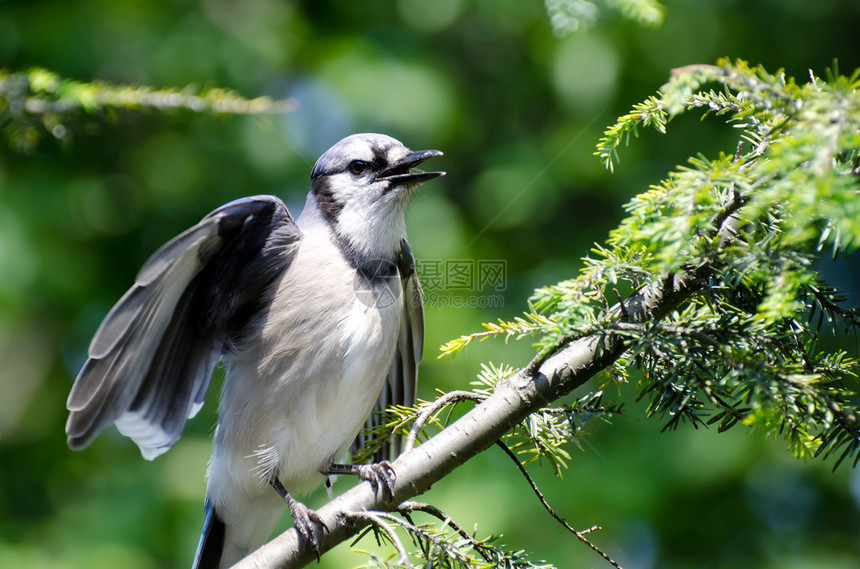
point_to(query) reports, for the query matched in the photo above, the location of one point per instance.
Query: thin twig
(623, 308)
(408, 507)
(378, 520)
(441, 402)
(580, 535)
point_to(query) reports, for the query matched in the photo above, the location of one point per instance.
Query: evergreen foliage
(570, 15)
(38, 102)
(447, 546)
(747, 347)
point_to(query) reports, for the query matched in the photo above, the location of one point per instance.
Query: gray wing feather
(152, 358)
(402, 379)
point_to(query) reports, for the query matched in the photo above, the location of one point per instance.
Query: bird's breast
(300, 387)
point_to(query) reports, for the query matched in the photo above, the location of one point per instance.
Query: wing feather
(149, 283)
(151, 359)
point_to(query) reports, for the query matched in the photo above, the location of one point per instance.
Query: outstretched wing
(402, 380)
(153, 355)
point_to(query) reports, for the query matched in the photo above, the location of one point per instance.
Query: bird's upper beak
(399, 174)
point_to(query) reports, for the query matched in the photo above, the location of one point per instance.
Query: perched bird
(318, 321)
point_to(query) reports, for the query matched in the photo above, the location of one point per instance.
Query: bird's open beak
(399, 174)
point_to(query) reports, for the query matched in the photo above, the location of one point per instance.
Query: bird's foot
(379, 474)
(305, 520)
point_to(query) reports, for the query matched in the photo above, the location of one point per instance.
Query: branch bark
(530, 389)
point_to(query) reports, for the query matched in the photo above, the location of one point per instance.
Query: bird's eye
(357, 166)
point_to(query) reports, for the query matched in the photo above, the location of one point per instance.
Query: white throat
(370, 230)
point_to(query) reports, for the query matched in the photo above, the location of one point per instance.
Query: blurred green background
(517, 110)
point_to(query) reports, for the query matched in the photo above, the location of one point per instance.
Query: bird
(319, 322)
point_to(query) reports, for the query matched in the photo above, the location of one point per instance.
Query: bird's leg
(379, 474)
(303, 517)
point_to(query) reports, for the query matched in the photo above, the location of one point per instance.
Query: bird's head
(362, 185)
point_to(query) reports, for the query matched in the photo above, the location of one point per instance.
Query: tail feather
(211, 544)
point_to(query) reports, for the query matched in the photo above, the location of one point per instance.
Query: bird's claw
(380, 475)
(305, 519)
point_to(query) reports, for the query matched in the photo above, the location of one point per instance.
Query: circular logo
(377, 284)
